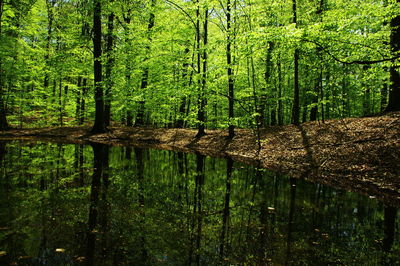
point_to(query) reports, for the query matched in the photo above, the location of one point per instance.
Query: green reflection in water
(99, 205)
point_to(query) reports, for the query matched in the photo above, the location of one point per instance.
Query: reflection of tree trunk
(389, 227)
(197, 211)
(226, 211)
(199, 184)
(290, 222)
(99, 152)
(140, 175)
(78, 164)
(263, 218)
(181, 174)
(104, 206)
(2, 152)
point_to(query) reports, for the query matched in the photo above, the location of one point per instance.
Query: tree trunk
(231, 96)
(268, 81)
(3, 116)
(78, 99)
(50, 17)
(109, 66)
(202, 84)
(82, 112)
(99, 125)
(280, 102)
(296, 92)
(183, 103)
(318, 85)
(384, 94)
(394, 89)
(128, 70)
(145, 76)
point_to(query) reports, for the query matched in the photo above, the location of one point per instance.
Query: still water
(98, 205)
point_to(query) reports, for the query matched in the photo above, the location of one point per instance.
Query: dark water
(95, 205)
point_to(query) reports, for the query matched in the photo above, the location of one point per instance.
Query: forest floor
(355, 154)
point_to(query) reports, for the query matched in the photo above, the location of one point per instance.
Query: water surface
(99, 205)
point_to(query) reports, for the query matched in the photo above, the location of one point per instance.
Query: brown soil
(356, 154)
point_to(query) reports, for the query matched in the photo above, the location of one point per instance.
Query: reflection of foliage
(152, 216)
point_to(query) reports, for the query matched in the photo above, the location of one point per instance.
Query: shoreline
(355, 154)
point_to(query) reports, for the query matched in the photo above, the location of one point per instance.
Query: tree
(109, 66)
(231, 96)
(3, 111)
(145, 75)
(296, 91)
(202, 72)
(99, 122)
(394, 90)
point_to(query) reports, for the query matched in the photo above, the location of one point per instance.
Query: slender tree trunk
(188, 83)
(296, 96)
(384, 94)
(3, 111)
(82, 112)
(201, 117)
(128, 70)
(268, 81)
(50, 18)
(318, 85)
(226, 210)
(99, 125)
(280, 102)
(60, 105)
(231, 96)
(394, 89)
(145, 76)
(328, 98)
(317, 89)
(109, 66)
(78, 99)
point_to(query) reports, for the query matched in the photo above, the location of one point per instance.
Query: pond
(66, 204)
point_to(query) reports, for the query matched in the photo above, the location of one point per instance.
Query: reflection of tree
(104, 204)
(389, 227)
(78, 164)
(142, 214)
(226, 210)
(290, 221)
(263, 236)
(2, 152)
(197, 210)
(100, 167)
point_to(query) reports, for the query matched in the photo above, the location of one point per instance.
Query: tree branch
(359, 62)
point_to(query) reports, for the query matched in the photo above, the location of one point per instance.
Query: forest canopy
(203, 63)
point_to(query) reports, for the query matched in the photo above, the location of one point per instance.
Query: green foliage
(50, 40)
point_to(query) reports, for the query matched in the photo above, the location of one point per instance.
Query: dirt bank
(356, 154)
